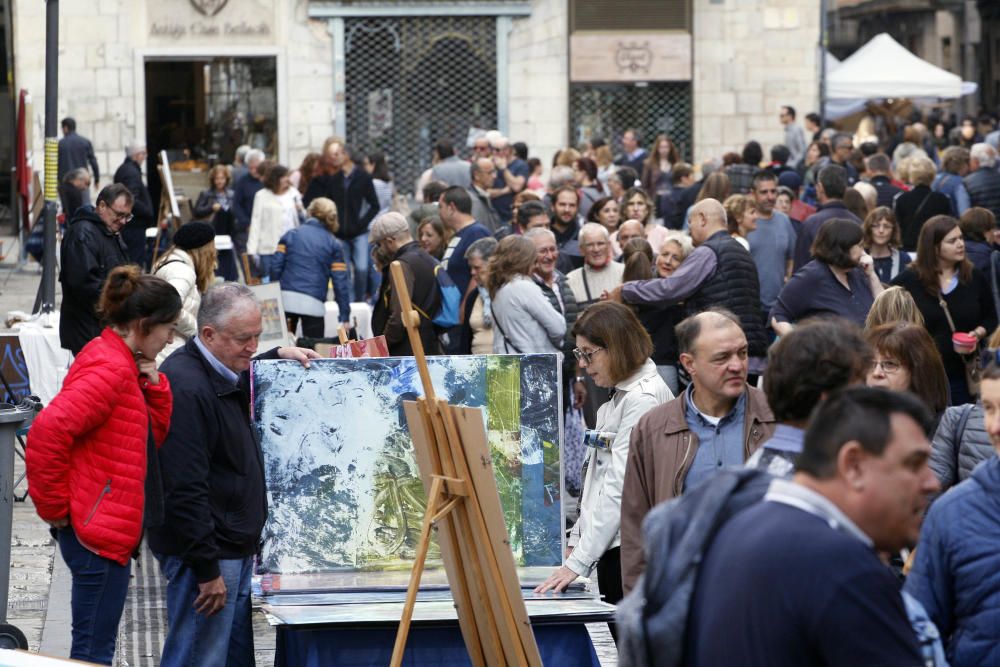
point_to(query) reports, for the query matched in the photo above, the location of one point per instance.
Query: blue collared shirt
(720, 445)
(787, 439)
(777, 455)
(220, 368)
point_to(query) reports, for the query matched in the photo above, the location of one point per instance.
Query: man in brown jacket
(718, 422)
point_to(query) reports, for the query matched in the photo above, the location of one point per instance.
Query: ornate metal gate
(411, 81)
(607, 110)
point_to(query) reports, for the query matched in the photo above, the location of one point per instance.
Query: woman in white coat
(189, 266)
(277, 208)
(613, 348)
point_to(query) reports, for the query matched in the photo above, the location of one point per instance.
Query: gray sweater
(526, 322)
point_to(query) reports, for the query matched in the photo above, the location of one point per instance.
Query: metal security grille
(607, 110)
(411, 81)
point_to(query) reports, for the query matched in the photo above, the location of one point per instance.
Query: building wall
(99, 68)
(749, 59)
(539, 78)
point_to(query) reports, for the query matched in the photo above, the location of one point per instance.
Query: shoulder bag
(973, 371)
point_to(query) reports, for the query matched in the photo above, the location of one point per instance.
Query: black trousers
(312, 326)
(609, 580)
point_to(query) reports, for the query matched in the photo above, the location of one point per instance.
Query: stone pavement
(40, 582)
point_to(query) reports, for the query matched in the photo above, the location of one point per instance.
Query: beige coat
(178, 270)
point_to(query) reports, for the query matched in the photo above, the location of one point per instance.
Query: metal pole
(51, 153)
(822, 64)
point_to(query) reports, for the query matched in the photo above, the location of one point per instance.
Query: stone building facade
(719, 79)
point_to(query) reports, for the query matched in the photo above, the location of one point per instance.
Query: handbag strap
(506, 340)
(947, 313)
(916, 214)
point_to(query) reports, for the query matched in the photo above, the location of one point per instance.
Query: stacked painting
(344, 489)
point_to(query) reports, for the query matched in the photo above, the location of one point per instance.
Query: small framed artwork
(274, 329)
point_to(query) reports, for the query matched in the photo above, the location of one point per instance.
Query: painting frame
(356, 430)
(274, 326)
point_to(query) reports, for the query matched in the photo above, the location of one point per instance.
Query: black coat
(143, 216)
(916, 207)
(424, 294)
(356, 206)
(215, 499)
(89, 252)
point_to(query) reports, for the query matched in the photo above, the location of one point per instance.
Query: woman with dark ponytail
(88, 452)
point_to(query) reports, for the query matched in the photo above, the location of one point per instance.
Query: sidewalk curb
(57, 636)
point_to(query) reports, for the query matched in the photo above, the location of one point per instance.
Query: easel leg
(416, 573)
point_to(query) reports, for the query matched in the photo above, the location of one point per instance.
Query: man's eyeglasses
(585, 356)
(122, 217)
(888, 367)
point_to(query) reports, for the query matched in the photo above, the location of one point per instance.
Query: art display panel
(343, 484)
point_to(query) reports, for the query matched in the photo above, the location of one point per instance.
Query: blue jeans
(357, 252)
(225, 638)
(98, 599)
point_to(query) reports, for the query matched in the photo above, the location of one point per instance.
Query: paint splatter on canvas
(344, 487)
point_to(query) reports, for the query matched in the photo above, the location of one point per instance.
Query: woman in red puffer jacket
(88, 450)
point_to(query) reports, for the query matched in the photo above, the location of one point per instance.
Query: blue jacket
(956, 575)
(306, 259)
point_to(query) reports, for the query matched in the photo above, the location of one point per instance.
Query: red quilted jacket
(86, 451)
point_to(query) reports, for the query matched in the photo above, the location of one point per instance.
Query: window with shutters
(586, 15)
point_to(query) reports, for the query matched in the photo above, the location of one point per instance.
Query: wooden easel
(164, 217)
(463, 507)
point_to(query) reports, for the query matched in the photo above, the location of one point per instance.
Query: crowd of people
(716, 325)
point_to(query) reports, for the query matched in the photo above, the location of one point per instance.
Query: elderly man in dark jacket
(129, 174)
(91, 248)
(391, 234)
(213, 481)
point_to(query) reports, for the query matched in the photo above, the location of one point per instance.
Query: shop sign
(606, 57)
(211, 21)
(209, 7)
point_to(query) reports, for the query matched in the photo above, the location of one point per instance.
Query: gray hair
(134, 149)
(680, 238)
(74, 174)
(241, 153)
(539, 231)
(984, 154)
(710, 166)
(254, 155)
(483, 248)
(595, 228)
(222, 302)
(560, 176)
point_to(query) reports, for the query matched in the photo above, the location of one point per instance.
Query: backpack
(447, 315)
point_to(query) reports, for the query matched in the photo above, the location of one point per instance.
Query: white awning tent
(884, 69)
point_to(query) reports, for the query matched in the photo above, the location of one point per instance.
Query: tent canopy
(883, 68)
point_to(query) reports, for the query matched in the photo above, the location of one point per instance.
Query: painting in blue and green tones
(343, 484)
